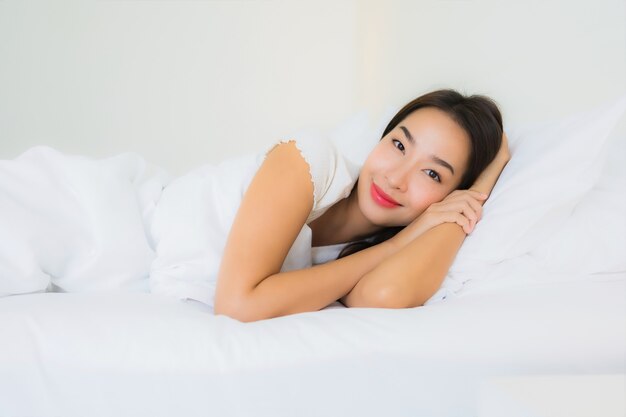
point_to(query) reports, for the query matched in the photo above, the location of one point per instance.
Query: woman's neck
(342, 223)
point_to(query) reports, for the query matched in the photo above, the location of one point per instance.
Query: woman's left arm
(415, 272)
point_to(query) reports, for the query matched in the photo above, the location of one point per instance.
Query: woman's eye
(436, 176)
(398, 144)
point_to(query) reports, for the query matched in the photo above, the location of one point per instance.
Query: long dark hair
(478, 115)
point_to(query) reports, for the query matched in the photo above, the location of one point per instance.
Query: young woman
(417, 196)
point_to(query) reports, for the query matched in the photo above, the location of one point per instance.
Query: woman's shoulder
(332, 173)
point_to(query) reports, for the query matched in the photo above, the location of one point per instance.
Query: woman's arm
(415, 272)
(274, 209)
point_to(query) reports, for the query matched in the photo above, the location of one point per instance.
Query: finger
(464, 195)
(468, 211)
(455, 195)
(476, 206)
(462, 221)
(467, 206)
(478, 194)
(462, 201)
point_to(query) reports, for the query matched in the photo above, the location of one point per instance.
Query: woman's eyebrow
(434, 158)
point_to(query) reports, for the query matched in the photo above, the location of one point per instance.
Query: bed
(123, 354)
(539, 289)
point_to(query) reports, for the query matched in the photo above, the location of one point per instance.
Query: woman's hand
(463, 207)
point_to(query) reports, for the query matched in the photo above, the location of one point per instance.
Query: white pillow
(356, 136)
(552, 168)
(593, 239)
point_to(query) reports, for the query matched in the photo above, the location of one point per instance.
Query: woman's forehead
(433, 128)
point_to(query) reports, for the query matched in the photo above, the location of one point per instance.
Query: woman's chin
(386, 223)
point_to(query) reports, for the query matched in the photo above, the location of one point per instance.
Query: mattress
(128, 354)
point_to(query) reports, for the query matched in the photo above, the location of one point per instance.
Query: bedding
(70, 220)
(130, 354)
(82, 335)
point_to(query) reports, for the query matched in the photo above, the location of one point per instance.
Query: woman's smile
(381, 198)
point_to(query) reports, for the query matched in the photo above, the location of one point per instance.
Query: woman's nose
(397, 177)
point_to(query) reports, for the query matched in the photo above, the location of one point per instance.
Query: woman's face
(418, 163)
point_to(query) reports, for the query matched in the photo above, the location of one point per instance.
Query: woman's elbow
(392, 297)
(236, 308)
(383, 296)
(237, 314)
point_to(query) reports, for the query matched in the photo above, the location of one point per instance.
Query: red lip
(381, 198)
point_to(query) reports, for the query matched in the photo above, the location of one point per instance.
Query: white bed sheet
(130, 354)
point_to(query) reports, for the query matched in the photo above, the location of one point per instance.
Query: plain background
(185, 83)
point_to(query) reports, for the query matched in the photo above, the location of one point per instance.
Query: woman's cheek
(423, 195)
(374, 164)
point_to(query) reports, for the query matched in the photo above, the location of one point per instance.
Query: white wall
(181, 82)
(189, 82)
(538, 58)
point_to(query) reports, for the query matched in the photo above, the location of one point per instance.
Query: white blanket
(72, 223)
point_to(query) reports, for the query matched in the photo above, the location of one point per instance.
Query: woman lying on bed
(417, 196)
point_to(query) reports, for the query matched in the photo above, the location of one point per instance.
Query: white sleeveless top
(195, 212)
